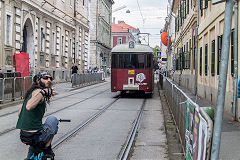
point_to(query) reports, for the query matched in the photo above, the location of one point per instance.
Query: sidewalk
(60, 88)
(151, 141)
(230, 139)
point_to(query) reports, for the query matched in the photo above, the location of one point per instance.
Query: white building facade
(100, 33)
(55, 33)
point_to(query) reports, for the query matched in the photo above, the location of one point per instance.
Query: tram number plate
(130, 71)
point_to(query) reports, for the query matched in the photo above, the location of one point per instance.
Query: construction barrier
(194, 125)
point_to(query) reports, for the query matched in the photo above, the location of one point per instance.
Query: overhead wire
(140, 12)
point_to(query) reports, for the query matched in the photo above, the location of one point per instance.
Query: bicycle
(38, 150)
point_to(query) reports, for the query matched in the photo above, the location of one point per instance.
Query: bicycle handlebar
(64, 120)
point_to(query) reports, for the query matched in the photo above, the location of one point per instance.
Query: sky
(148, 16)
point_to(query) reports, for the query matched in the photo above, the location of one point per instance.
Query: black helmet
(38, 76)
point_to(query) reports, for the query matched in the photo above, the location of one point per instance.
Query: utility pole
(222, 81)
(196, 51)
(235, 60)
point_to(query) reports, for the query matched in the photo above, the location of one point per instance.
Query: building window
(200, 64)
(83, 2)
(206, 59)
(182, 59)
(190, 46)
(63, 46)
(213, 58)
(187, 6)
(206, 4)
(232, 52)
(201, 7)
(71, 48)
(184, 55)
(187, 57)
(176, 24)
(194, 52)
(71, 3)
(53, 43)
(76, 51)
(219, 53)
(42, 40)
(8, 29)
(119, 41)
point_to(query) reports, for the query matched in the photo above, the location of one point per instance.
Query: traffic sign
(158, 54)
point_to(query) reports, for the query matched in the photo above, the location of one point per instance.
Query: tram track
(124, 154)
(55, 99)
(14, 128)
(83, 124)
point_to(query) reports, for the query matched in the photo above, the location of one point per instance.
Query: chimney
(114, 20)
(120, 22)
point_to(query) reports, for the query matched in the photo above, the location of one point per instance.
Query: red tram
(132, 68)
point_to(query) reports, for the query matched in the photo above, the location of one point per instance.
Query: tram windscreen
(132, 61)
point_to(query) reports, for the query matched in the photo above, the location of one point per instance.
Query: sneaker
(48, 152)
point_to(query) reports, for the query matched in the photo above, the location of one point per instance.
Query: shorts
(40, 138)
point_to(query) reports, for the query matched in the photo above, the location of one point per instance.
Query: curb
(9, 104)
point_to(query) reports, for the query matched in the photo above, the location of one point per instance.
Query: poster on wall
(22, 63)
(189, 131)
(202, 138)
(195, 135)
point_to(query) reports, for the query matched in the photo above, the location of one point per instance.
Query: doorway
(28, 44)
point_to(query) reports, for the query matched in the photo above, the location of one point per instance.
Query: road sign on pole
(158, 53)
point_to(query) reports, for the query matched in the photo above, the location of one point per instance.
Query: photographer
(33, 132)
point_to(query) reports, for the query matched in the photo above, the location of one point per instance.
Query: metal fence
(189, 121)
(14, 88)
(86, 79)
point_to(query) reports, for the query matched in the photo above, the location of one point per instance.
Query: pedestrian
(74, 71)
(108, 72)
(90, 70)
(1, 74)
(30, 115)
(74, 68)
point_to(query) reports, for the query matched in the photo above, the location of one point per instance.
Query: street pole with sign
(222, 81)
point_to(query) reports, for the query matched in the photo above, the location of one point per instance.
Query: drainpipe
(74, 15)
(97, 35)
(74, 9)
(196, 52)
(222, 81)
(235, 60)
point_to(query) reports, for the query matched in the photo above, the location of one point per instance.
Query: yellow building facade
(210, 35)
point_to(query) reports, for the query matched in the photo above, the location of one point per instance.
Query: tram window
(149, 61)
(131, 61)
